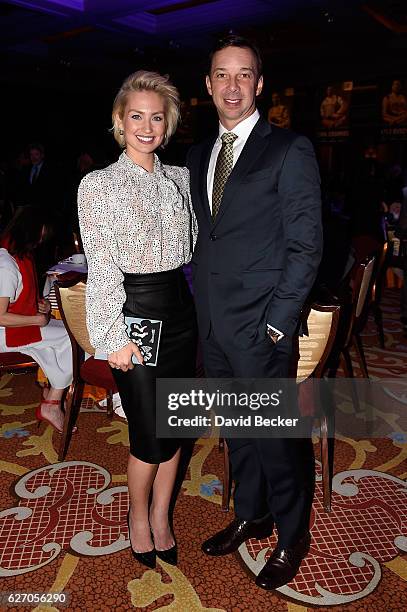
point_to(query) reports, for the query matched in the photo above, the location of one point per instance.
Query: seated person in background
(333, 110)
(364, 198)
(401, 233)
(25, 323)
(337, 256)
(278, 113)
(85, 163)
(394, 106)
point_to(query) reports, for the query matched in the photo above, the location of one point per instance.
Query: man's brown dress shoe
(238, 531)
(283, 565)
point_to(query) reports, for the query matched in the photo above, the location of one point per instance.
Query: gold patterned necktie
(223, 168)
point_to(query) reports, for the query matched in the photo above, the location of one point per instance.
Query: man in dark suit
(41, 186)
(256, 195)
(39, 180)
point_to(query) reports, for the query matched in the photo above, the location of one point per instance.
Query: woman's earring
(121, 132)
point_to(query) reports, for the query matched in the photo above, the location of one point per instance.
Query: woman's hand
(10, 319)
(121, 360)
(44, 306)
(41, 319)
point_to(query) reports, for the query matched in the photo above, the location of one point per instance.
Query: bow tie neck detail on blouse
(159, 190)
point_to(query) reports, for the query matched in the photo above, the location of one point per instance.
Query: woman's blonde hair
(143, 80)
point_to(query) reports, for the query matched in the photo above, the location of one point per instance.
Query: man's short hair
(233, 40)
(38, 146)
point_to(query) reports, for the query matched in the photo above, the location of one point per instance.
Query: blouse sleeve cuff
(111, 346)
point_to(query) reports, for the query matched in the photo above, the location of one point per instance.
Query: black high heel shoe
(146, 558)
(170, 555)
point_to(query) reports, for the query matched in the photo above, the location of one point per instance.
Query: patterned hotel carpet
(63, 527)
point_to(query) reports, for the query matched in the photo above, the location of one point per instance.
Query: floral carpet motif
(63, 506)
(63, 525)
(367, 527)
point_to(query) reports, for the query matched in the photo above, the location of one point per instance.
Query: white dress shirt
(242, 131)
(35, 170)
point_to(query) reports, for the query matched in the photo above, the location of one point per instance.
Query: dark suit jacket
(257, 263)
(45, 191)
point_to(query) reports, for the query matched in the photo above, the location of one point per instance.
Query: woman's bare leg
(162, 491)
(140, 477)
(52, 412)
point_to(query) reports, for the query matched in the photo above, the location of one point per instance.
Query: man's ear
(208, 85)
(259, 86)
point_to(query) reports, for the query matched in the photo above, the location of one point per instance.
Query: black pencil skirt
(164, 296)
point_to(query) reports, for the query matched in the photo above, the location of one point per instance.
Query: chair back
(361, 283)
(362, 279)
(71, 302)
(314, 349)
(380, 275)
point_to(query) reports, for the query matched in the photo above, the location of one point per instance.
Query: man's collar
(244, 127)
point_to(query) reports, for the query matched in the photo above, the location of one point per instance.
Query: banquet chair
(16, 363)
(377, 291)
(313, 352)
(362, 283)
(70, 294)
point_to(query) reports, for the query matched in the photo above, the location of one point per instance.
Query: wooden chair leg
(327, 442)
(109, 404)
(226, 478)
(325, 464)
(73, 404)
(347, 363)
(348, 370)
(360, 353)
(378, 317)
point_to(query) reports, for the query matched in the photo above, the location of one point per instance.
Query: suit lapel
(203, 174)
(252, 151)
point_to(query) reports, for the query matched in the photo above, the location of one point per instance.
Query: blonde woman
(138, 230)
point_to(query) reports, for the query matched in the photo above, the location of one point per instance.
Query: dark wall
(67, 104)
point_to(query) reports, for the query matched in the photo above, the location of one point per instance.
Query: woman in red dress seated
(25, 323)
